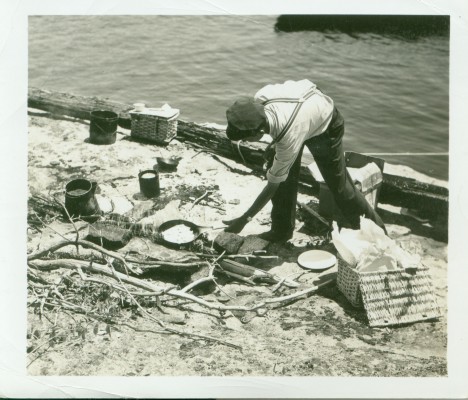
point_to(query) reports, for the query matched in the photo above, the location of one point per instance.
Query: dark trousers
(328, 153)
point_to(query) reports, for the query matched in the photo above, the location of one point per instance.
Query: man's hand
(236, 225)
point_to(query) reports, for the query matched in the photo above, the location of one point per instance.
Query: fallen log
(410, 193)
(73, 105)
(396, 190)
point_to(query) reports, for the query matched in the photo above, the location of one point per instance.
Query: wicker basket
(389, 297)
(347, 281)
(155, 125)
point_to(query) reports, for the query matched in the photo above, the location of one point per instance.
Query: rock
(110, 237)
(121, 205)
(291, 270)
(229, 242)
(233, 323)
(105, 204)
(252, 243)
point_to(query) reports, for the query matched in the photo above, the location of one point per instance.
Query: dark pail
(149, 183)
(103, 127)
(79, 198)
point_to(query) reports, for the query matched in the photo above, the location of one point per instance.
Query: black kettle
(80, 200)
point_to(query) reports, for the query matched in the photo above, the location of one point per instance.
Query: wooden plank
(396, 190)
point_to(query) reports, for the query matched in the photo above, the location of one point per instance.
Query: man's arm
(237, 224)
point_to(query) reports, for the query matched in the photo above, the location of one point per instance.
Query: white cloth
(313, 119)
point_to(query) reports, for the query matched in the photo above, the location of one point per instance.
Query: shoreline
(422, 193)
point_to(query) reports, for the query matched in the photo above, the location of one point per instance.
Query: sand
(321, 335)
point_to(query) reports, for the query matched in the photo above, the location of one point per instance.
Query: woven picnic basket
(347, 281)
(156, 127)
(390, 297)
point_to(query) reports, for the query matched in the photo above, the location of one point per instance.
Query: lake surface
(393, 93)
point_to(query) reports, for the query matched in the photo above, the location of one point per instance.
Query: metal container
(80, 200)
(149, 183)
(168, 164)
(169, 224)
(103, 127)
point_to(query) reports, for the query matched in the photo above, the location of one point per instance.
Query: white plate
(316, 259)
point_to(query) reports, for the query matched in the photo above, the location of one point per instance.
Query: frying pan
(168, 163)
(197, 231)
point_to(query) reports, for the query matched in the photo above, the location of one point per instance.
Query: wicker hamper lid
(397, 297)
(163, 112)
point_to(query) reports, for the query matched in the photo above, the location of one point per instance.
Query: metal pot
(80, 201)
(168, 163)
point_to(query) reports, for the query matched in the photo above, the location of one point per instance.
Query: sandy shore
(321, 335)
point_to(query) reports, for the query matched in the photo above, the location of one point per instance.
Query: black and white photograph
(258, 198)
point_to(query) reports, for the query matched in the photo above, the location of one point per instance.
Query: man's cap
(244, 115)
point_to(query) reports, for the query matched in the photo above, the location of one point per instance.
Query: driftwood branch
(90, 267)
(153, 264)
(95, 268)
(208, 278)
(235, 256)
(85, 244)
(242, 272)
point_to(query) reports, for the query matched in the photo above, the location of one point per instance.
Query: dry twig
(196, 201)
(208, 278)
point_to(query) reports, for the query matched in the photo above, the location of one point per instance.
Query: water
(393, 93)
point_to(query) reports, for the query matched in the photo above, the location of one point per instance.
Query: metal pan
(197, 231)
(168, 163)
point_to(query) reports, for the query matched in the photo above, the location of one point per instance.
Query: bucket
(149, 183)
(103, 127)
(79, 198)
